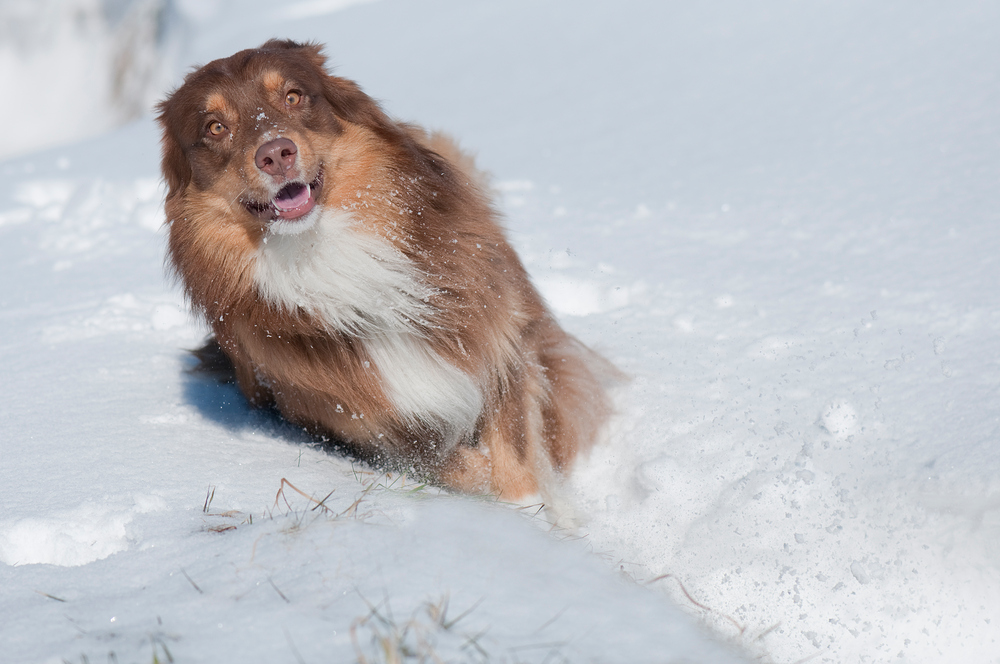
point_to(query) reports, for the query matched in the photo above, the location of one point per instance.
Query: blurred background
(76, 68)
(73, 69)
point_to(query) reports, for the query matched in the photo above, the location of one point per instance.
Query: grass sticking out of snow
(378, 637)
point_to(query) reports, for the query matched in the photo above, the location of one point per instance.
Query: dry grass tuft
(428, 636)
(432, 636)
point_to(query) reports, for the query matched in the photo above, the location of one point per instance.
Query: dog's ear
(348, 101)
(289, 45)
(351, 104)
(173, 163)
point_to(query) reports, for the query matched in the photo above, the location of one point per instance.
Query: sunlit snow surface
(780, 220)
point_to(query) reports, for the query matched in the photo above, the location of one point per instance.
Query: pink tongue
(291, 197)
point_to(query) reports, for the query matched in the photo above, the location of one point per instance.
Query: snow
(779, 219)
(112, 59)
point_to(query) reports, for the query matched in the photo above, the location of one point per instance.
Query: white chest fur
(361, 285)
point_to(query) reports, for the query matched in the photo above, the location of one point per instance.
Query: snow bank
(76, 68)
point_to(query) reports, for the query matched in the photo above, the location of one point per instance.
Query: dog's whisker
(239, 195)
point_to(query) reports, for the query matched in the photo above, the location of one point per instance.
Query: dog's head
(254, 131)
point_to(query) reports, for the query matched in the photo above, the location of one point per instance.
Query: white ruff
(361, 285)
(352, 280)
(424, 387)
(294, 226)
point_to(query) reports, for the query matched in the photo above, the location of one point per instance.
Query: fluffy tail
(579, 405)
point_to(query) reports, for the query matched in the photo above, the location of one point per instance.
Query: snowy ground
(781, 220)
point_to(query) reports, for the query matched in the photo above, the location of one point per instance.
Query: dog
(353, 271)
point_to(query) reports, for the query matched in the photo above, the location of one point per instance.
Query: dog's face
(253, 135)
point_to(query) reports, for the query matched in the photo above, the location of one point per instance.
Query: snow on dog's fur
(353, 271)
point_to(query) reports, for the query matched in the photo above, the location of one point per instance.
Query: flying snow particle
(839, 418)
(859, 573)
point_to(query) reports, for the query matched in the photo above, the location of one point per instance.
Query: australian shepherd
(353, 270)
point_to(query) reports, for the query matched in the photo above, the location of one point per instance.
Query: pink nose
(276, 157)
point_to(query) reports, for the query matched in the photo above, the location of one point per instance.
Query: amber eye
(293, 98)
(216, 128)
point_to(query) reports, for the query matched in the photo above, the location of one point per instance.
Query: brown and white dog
(353, 271)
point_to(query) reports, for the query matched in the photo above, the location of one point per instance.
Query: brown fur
(542, 402)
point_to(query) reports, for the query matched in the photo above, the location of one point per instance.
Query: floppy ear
(348, 101)
(312, 51)
(173, 163)
(288, 44)
(353, 105)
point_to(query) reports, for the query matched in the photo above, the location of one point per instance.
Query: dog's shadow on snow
(210, 386)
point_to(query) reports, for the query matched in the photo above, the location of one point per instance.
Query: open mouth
(294, 200)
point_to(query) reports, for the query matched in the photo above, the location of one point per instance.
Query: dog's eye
(216, 128)
(293, 98)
